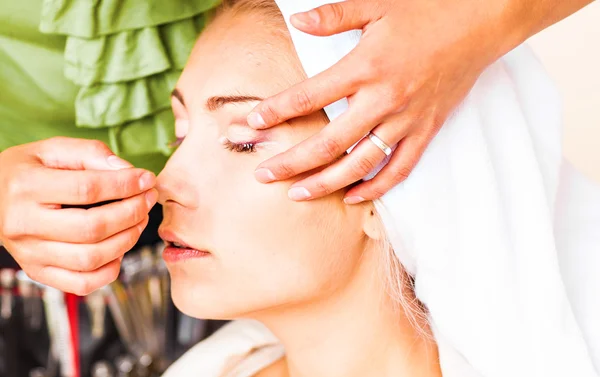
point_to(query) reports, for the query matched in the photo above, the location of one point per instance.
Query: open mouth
(178, 245)
(176, 250)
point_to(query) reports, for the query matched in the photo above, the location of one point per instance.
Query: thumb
(334, 18)
(78, 154)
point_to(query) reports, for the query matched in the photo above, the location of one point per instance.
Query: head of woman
(255, 253)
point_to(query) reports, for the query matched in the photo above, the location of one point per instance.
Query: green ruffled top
(120, 59)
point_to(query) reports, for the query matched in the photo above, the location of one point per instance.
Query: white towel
(501, 234)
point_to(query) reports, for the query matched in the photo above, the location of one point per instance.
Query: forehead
(240, 54)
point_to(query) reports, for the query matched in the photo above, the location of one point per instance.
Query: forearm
(536, 15)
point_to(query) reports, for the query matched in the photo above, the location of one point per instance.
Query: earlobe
(371, 223)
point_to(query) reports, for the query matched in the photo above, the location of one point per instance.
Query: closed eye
(239, 147)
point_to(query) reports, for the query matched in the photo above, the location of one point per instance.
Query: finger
(88, 257)
(403, 161)
(78, 154)
(89, 226)
(87, 186)
(309, 96)
(322, 148)
(363, 159)
(79, 283)
(334, 18)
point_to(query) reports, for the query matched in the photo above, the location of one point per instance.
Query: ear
(372, 225)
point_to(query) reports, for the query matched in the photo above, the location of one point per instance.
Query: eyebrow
(216, 102)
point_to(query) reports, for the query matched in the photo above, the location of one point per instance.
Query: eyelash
(229, 145)
(240, 148)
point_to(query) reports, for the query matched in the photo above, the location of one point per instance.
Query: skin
(403, 97)
(308, 270)
(72, 249)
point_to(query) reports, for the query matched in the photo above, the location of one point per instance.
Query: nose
(174, 183)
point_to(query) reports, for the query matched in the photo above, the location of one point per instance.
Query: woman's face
(265, 252)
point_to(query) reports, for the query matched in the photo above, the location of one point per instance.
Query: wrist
(513, 25)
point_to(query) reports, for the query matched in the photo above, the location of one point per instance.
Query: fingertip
(151, 198)
(360, 193)
(264, 175)
(147, 181)
(256, 120)
(305, 20)
(353, 199)
(117, 163)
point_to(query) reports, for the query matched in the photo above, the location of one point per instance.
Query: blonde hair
(399, 285)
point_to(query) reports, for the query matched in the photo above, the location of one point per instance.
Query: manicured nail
(354, 199)
(299, 193)
(118, 163)
(255, 120)
(151, 197)
(147, 181)
(264, 175)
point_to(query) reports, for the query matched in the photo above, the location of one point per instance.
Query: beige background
(570, 50)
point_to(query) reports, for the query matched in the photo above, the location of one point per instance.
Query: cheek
(287, 251)
(268, 250)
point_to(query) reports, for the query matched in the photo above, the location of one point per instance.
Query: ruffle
(126, 56)
(131, 54)
(146, 136)
(93, 18)
(113, 104)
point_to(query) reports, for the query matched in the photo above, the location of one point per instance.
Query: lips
(177, 250)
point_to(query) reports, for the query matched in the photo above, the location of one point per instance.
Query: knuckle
(25, 255)
(377, 191)
(55, 140)
(284, 170)
(12, 228)
(88, 260)
(83, 287)
(332, 14)
(363, 166)
(34, 272)
(137, 210)
(329, 149)
(98, 147)
(140, 228)
(269, 113)
(18, 185)
(87, 190)
(303, 103)
(93, 230)
(396, 99)
(373, 67)
(323, 188)
(400, 174)
(113, 273)
(125, 183)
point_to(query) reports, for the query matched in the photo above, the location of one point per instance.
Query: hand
(75, 250)
(415, 63)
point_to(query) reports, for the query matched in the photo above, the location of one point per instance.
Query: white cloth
(488, 219)
(239, 349)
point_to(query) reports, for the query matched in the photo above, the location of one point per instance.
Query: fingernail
(118, 163)
(264, 175)
(298, 193)
(151, 197)
(147, 181)
(354, 199)
(308, 18)
(255, 120)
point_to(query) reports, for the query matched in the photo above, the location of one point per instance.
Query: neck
(355, 331)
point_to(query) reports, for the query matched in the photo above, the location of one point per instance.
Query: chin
(196, 301)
